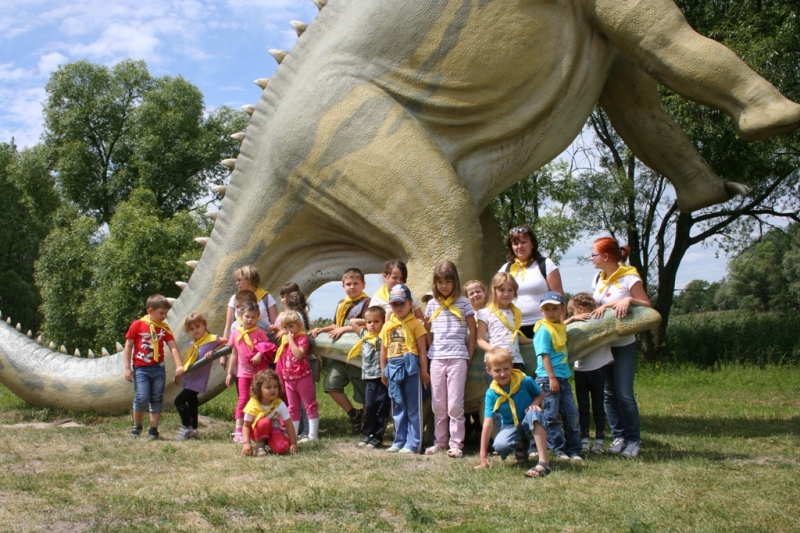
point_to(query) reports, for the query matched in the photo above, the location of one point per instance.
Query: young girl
(475, 291)
(195, 382)
(589, 379)
(262, 416)
(499, 322)
(450, 317)
(251, 352)
(292, 362)
(248, 279)
(394, 272)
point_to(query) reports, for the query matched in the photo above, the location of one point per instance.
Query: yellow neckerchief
(194, 351)
(620, 272)
(274, 404)
(153, 337)
(260, 293)
(411, 342)
(502, 317)
(518, 267)
(245, 334)
(447, 304)
(345, 306)
(383, 293)
(558, 333)
(371, 338)
(516, 380)
(284, 344)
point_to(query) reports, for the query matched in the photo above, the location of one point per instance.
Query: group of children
(406, 353)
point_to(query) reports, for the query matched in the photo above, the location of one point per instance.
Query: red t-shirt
(139, 333)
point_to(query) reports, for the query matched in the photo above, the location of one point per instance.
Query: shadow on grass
(721, 427)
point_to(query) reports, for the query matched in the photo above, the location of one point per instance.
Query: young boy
(376, 401)
(404, 363)
(145, 347)
(589, 379)
(515, 401)
(351, 308)
(552, 374)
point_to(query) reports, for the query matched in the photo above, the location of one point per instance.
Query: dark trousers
(376, 408)
(186, 403)
(591, 384)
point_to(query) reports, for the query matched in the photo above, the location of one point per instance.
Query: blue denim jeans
(565, 436)
(148, 387)
(509, 436)
(621, 407)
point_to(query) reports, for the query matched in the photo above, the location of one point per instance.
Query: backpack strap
(541, 262)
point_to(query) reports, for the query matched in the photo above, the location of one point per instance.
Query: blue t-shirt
(528, 391)
(543, 344)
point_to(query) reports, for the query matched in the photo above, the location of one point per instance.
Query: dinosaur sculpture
(390, 126)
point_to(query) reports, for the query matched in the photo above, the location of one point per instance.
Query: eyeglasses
(520, 229)
(593, 255)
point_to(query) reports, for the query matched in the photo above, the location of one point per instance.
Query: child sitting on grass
(514, 402)
(262, 416)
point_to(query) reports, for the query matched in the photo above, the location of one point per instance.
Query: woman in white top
(618, 287)
(525, 264)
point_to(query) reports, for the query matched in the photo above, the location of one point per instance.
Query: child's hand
(426, 379)
(598, 313)
(128, 374)
(485, 463)
(384, 380)
(256, 359)
(228, 380)
(336, 333)
(247, 449)
(223, 361)
(555, 388)
(533, 407)
(315, 332)
(293, 449)
(583, 317)
(176, 380)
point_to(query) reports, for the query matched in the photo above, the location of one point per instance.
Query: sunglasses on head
(520, 229)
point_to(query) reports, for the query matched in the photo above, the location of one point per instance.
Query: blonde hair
(290, 318)
(582, 300)
(497, 356)
(194, 318)
(472, 282)
(500, 279)
(249, 273)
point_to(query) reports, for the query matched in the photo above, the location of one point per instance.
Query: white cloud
(50, 62)
(21, 115)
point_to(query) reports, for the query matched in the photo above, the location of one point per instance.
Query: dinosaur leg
(656, 36)
(630, 99)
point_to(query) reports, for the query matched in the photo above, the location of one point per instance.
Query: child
(196, 382)
(376, 398)
(339, 374)
(514, 402)
(248, 279)
(239, 299)
(251, 351)
(552, 374)
(394, 272)
(404, 362)
(450, 317)
(145, 344)
(262, 416)
(475, 291)
(499, 322)
(589, 378)
(292, 363)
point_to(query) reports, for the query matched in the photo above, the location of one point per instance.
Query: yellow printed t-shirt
(397, 340)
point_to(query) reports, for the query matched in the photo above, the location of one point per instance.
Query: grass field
(721, 453)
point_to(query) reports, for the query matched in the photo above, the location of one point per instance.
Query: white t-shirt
(497, 334)
(279, 413)
(612, 293)
(377, 300)
(531, 289)
(597, 359)
(262, 308)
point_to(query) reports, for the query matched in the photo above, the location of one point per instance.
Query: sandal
(455, 453)
(540, 470)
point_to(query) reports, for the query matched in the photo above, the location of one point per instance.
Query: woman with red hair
(618, 287)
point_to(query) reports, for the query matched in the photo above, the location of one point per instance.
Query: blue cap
(399, 293)
(552, 297)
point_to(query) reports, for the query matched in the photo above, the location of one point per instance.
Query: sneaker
(406, 451)
(584, 445)
(237, 438)
(363, 442)
(184, 433)
(576, 458)
(393, 449)
(433, 450)
(152, 434)
(374, 444)
(597, 447)
(260, 451)
(136, 431)
(193, 434)
(562, 456)
(302, 436)
(455, 453)
(617, 446)
(306, 439)
(631, 451)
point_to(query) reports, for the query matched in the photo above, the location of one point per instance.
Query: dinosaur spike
(51, 345)
(212, 214)
(262, 82)
(90, 354)
(181, 284)
(172, 301)
(18, 327)
(8, 321)
(230, 163)
(220, 189)
(29, 334)
(39, 340)
(77, 353)
(249, 109)
(192, 264)
(320, 3)
(238, 136)
(279, 55)
(118, 346)
(104, 352)
(202, 241)
(1, 314)
(63, 349)
(299, 26)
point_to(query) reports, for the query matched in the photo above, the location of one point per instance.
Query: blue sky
(220, 46)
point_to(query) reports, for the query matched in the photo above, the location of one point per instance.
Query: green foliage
(697, 296)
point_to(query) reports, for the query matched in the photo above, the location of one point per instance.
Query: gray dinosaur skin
(385, 133)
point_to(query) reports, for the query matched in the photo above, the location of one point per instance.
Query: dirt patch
(31, 467)
(68, 527)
